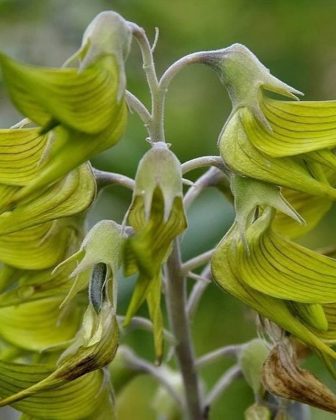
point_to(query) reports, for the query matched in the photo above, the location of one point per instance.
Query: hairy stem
(197, 292)
(197, 261)
(136, 105)
(202, 162)
(146, 325)
(104, 179)
(210, 178)
(176, 306)
(216, 355)
(155, 126)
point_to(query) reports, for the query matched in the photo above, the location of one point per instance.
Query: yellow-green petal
(283, 269)
(311, 208)
(243, 158)
(70, 149)
(21, 151)
(38, 325)
(84, 100)
(224, 266)
(297, 127)
(70, 196)
(83, 398)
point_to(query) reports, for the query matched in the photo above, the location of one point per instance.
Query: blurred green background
(295, 39)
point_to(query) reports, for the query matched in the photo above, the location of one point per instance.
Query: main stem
(176, 298)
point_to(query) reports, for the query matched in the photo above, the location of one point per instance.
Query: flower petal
(297, 127)
(82, 398)
(83, 100)
(285, 270)
(243, 158)
(36, 326)
(224, 266)
(71, 195)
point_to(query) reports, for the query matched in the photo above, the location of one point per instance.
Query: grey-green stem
(222, 384)
(176, 296)
(157, 372)
(216, 355)
(156, 123)
(104, 179)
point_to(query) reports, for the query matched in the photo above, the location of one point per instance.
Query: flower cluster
(282, 162)
(46, 186)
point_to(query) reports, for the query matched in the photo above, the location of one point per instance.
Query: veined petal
(71, 195)
(243, 158)
(154, 308)
(297, 127)
(146, 251)
(82, 398)
(330, 313)
(38, 325)
(225, 272)
(83, 100)
(311, 208)
(38, 247)
(21, 151)
(312, 314)
(42, 246)
(70, 149)
(283, 269)
(250, 194)
(93, 348)
(107, 34)
(28, 286)
(149, 247)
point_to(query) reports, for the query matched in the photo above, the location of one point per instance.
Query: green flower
(84, 106)
(93, 348)
(157, 216)
(284, 143)
(99, 257)
(281, 280)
